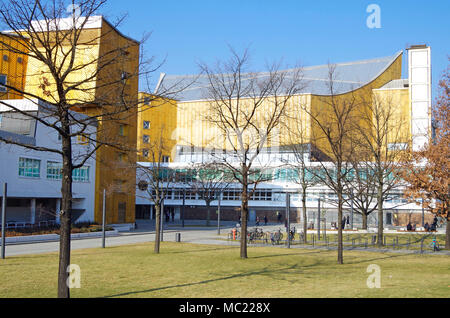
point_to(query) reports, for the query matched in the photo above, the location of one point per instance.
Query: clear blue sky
(305, 32)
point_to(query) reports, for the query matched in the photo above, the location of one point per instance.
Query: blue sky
(298, 32)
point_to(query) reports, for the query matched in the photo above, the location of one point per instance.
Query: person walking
(278, 217)
(265, 219)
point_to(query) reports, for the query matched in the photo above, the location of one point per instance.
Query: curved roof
(348, 76)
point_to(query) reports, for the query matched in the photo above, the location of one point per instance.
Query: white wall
(24, 187)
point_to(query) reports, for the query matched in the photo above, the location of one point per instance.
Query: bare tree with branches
(208, 180)
(381, 138)
(300, 146)
(70, 74)
(246, 107)
(156, 179)
(331, 131)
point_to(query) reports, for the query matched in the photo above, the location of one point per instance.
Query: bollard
(178, 237)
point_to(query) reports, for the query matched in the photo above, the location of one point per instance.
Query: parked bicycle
(276, 237)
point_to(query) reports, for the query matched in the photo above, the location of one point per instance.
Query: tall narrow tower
(419, 66)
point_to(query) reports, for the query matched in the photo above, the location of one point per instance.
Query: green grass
(186, 270)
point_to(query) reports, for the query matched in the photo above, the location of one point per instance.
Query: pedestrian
(257, 221)
(348, 220)
(278, 217)
(265, 219)
(343, 223)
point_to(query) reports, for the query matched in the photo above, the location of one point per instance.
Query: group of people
(427, 226)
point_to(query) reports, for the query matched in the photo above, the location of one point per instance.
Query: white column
(419, 64)
(33, 211)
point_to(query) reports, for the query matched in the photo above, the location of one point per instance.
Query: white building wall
(42, 187)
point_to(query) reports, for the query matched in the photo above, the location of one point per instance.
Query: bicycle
(276, 237)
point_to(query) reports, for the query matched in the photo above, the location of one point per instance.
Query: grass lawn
(186, 270)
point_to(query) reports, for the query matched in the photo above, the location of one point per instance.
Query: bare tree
(156, 179)
(331, 132)
(300, 146)
(208, 181)
(71, 75)
(381, 138)
(246, 107)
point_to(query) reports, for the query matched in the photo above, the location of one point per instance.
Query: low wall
(55, 237)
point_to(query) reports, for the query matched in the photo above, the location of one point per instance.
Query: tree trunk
(340, 237)
(65, 219)
(157, 227)
(380, 217)
(244, 215)
(305, 218)
(208, 212)
(364, 221)
(447, 234)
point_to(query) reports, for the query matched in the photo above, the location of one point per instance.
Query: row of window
(228, 195)
(31, 168)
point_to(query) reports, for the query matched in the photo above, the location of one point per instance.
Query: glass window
(54, 170)
(29, 168)
(2, 83)
(81, 174)
(146, 139)
(146, 124)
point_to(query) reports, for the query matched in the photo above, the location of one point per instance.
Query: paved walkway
(195, 232)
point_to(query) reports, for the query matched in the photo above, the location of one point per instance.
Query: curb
(55, 237)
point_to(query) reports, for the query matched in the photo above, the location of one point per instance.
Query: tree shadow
(275, 272)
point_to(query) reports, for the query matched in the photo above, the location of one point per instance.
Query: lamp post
(288, 210)
(5, 186)
(161, 219)
(423, 215)
(351, 209)
(182, 209)
(104, 219)
(318, 219)
(218, 213)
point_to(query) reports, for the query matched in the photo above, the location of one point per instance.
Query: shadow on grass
(277, 272)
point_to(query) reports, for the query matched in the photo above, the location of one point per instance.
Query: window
(146, 139)
(54, 172)
(81, 174)
(19, 60)
(122, 157)
(122, 130)
(146, 124)
(124, 76)
(145, 153)
(165, 158)
(29, 168)
(82, 140)
(5, 58)
(147, 101)
(397, 146)
(3, 83)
